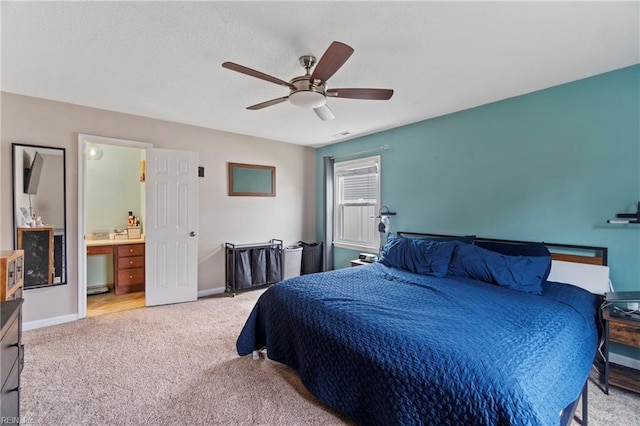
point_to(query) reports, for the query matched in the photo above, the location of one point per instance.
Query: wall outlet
(633, 306)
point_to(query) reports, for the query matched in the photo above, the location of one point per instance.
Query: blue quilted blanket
(386, 346)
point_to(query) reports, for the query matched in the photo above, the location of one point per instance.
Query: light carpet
(177, 364)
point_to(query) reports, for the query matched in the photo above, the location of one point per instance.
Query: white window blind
(357, 203)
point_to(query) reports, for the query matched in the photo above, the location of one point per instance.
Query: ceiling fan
(310, 90)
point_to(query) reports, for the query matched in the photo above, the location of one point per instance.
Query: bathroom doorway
(163, 260)
(112, 223)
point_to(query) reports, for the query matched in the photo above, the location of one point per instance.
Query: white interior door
(171, 232)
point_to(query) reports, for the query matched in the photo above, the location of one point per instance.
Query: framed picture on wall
(251, 180)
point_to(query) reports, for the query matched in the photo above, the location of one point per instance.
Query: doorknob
(193, 233)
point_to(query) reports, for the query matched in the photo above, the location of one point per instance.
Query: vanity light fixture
(94, 152)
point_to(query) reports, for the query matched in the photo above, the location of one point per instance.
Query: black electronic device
(622, 296)
(32, 175)
(627, 217)
(368, 257)
(624, 313)
(624, 304)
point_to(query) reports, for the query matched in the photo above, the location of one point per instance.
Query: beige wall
(289, 216)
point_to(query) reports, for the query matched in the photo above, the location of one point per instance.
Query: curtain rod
(377, 148)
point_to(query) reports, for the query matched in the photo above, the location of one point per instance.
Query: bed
(395, 345)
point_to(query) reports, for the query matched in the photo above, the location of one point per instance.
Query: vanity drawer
(131, 250)
(130, 262)
(130, 276)
(91, 250)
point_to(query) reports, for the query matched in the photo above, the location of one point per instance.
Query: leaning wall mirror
(39, 213)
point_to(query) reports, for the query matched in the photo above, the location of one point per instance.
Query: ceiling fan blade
(267, 103)
(371, 94)
(257, 74)
(324, 112)
(335, 57)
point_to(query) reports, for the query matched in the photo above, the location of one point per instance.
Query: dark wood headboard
(592, 255)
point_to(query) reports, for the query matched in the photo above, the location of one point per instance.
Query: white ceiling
(163, 59)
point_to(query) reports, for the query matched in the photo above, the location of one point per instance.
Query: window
(357, 202)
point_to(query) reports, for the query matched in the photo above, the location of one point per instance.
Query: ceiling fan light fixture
(309, 91)
(324, 112)
(307, 99)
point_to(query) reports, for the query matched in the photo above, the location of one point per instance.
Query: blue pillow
(524, 273)
(514, 249)
(418, 255)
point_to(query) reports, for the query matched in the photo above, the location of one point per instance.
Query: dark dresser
(11, 360)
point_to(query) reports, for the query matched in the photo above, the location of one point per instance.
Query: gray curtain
(327, 250)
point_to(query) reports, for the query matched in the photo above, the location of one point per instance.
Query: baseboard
(210, 292)
(32, 325)
(624, 360)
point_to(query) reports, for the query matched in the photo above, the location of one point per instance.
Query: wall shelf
(626, 218)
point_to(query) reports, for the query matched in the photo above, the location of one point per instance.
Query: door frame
(83, 140)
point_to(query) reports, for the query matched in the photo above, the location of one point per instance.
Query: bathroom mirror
(39, 213)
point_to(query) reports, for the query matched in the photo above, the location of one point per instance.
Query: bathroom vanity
(128, 262)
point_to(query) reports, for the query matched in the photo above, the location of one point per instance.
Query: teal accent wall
(551, 166)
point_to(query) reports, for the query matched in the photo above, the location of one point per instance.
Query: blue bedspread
(386, 346)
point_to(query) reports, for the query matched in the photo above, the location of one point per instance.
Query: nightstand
(625, 332)
(358, 262)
